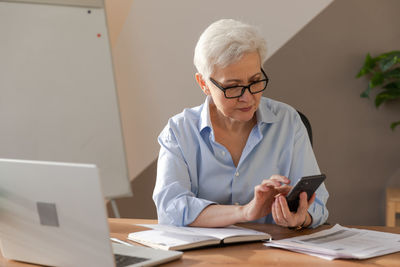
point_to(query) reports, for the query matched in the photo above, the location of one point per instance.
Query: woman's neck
(227, 124)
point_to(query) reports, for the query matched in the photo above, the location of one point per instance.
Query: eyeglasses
(238, 90)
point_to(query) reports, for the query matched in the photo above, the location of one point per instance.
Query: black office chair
(308, 126)
(309, 130)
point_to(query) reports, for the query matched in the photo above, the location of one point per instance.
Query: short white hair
(224, 42)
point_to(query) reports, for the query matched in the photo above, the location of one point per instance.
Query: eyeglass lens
(253, 88)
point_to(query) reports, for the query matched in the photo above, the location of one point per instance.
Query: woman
(230, 159)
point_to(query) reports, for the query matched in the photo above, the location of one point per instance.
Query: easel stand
(115, 208)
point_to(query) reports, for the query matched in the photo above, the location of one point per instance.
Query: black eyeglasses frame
(244, 87)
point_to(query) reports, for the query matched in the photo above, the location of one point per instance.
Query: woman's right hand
(264, 196)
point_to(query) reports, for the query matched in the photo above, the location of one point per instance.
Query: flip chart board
(58, 99)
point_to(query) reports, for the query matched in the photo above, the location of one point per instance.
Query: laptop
(53, 213)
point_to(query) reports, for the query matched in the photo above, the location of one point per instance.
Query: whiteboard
(58, 100)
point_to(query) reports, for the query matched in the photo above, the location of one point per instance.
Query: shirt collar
(205, 121)
(263, 115)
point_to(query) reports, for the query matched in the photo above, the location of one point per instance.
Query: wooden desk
(246, 254)
(256, 254)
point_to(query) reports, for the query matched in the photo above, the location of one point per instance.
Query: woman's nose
(246, 95)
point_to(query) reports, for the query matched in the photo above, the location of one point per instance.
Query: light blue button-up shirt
(195, 171)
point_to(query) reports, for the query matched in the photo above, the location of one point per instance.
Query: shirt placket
(239, 176)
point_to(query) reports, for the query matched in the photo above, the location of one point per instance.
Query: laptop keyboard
(124, 260)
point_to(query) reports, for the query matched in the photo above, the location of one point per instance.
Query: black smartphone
(306, 184)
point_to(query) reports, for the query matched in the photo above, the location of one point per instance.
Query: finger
(275, 182)
(258, 191)
(263, 193)
(303, 204)
(280, 178)
(274, 214)
(273, 211)
(270, 182)
(278, 213)
(286, 213)
(261, 188)
(284, 189)
(267, 187)
(284, 208)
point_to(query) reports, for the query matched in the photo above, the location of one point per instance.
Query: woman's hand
(258, 207)
(264, 197)
(284, 217)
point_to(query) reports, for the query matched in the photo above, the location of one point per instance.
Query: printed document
(342, 242)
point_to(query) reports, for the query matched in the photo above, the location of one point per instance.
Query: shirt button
(223, 153)
(236, 174)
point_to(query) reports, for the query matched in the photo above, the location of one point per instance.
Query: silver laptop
(54, 214)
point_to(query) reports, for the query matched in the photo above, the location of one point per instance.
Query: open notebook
(169, 237)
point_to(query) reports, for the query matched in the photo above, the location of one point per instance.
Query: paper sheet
(342, 242)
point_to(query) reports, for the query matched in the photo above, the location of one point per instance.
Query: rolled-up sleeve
(305, 164)
(175, 202)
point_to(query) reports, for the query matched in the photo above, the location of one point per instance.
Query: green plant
(383, 71)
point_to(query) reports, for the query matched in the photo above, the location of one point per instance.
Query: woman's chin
(244, 117)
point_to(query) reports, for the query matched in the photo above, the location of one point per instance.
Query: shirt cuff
(318, 215)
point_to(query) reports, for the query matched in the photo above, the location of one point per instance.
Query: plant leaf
(369, 65)
(391, 53)
(377, 79)
(392, 74)
(365, 94)
(390, 94)
(392, 85)
(394, 125)
(387, 62)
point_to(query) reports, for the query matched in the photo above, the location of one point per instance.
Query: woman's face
(242, 72)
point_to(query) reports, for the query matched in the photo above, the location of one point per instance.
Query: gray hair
(224, 42)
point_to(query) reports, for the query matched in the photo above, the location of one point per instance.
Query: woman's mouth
(245, 109)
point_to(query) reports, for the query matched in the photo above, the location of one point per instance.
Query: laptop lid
(54, 214)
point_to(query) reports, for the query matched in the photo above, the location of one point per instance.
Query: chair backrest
(309, 130)
(308, 126)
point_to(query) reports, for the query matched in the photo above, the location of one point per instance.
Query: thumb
(303, 205)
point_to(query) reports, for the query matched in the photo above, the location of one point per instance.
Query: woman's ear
(202, 83)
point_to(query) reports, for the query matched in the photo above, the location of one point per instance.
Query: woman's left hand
(284, 217)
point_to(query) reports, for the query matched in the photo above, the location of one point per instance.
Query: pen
(116, 240)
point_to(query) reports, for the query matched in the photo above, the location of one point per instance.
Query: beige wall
(153, 44)
(117, 11)
(153, 58)
(314, 72)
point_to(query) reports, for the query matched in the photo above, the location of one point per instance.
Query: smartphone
(306, 184)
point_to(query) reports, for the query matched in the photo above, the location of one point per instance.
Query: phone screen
(308, 184)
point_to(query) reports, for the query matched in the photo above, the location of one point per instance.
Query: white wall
(153, 58)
